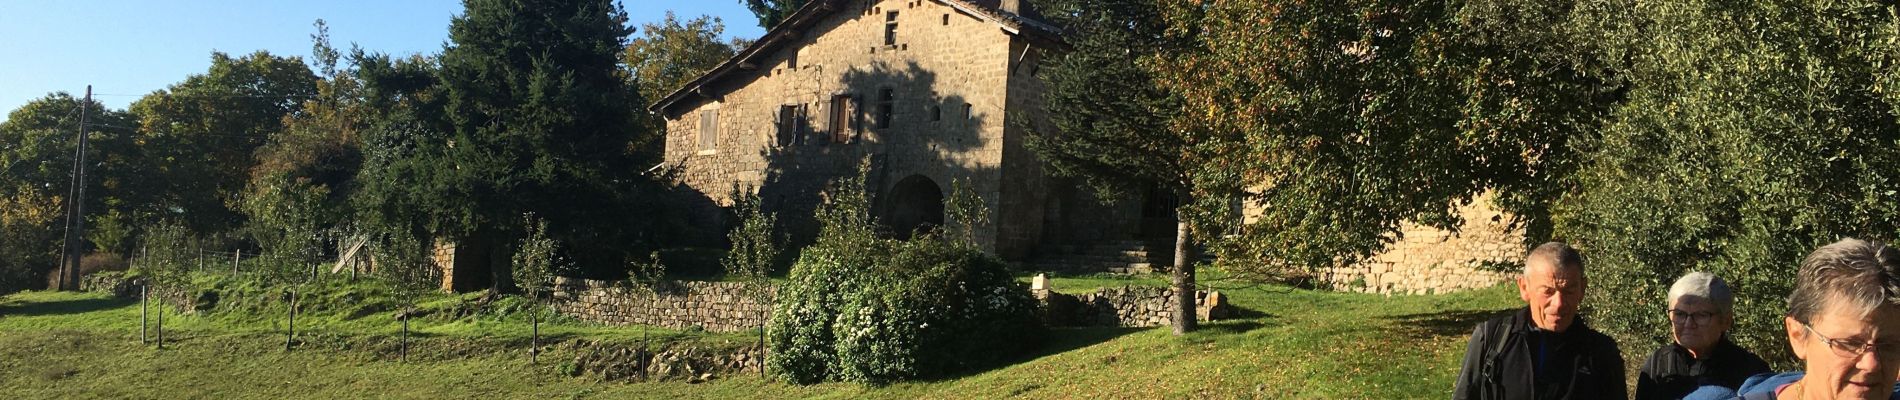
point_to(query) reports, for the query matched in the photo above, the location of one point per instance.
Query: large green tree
(37, 145)
(1112, 119)
(541, 121)
(1339, 120)
(772, 12)
(202, 133)
(1753, 133)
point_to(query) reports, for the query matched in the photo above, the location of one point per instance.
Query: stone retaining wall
(118, 285)
(1127, 306)
(1428, 260)
(713, 306)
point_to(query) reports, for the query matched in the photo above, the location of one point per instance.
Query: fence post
(234, 261)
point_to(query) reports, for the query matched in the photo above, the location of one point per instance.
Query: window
(886, 98)
(946, 20)
(890, 28)
(842, 126)
(791, 124)
(966, 111)
(936, 113)
(708, 129)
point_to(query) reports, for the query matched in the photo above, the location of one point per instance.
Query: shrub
(97, 262)
(865, 309)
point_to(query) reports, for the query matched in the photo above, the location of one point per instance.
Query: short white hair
(1706, 286)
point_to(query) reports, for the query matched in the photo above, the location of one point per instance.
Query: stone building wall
(1429, 260)
(949, 74)
(1128, 306)
(713, 306)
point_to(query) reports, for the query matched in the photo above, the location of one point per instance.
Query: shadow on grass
(61, 307)
(1059, 340)
(1443, 323)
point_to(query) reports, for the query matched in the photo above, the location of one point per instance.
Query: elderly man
(1701, 310)
(1543, 351)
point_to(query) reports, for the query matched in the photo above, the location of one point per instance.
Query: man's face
(1834, 373)
(1553, 292)
(1697, 324)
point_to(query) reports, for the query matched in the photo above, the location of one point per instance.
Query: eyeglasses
(1853, 349)
(1700, 318)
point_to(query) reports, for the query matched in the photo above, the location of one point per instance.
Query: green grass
(1290, 343)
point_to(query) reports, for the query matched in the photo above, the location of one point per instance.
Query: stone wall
(1429, 260)
(1128, 306)
(953, 79)
(713, 306)
(118, 285)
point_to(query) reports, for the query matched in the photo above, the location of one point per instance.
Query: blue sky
(128, 48)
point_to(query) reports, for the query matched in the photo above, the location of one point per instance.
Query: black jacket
(1504, 357)
(1671, 373)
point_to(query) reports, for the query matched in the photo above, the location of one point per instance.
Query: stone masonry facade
(930, 92)
(713, 306)
(1429, 260)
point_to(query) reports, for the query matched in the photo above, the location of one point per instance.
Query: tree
(772, 12)
(541, 121)
(669, 54)
(1752, 134)
(535, 264)
(756, 246)
(202, 133)
(37, 146)
(666, 56)
(297, 195)
(1112, 117)
(1340, 120)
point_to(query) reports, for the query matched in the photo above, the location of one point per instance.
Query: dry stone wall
(713, 306)
(1136, 307)
(1429, 260)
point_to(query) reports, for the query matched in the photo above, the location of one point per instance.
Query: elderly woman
(1843, 323)
(1701, 311)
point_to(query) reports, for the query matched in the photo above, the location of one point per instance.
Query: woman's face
(1861, 360)
(1697, 324)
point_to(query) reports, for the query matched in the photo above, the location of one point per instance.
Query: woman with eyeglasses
(1701, 311)
(1843, 323)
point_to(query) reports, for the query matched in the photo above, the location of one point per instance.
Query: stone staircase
(1120, 257)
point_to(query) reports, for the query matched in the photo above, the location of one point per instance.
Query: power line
(214, 96)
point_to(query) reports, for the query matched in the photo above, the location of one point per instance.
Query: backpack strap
(1761, 395)
(1492, 371)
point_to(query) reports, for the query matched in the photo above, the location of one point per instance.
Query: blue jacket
(1761, 383)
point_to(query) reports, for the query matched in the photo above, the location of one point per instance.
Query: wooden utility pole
(76, 205)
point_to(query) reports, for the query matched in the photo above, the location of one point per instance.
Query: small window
(936, 113)
(946, 20)
(708, 129)
(791, 124)
(841, 125)
(966, 111)
(886, 99)
(890, 28)
(791, 60)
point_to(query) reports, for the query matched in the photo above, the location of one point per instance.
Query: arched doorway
(915, 205)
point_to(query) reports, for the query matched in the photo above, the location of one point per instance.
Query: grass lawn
(1289, 343)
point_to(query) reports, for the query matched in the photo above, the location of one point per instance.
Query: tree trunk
(534, 347)
(161, 323)
(1183, 278)
(404, 349)
(290, 335)
(143, 290)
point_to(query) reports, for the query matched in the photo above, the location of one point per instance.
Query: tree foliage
(772, 12)
(1337, 121)
(37, 145)
(1753, 133)
(202, 133)
(539, 120)
(670, 53)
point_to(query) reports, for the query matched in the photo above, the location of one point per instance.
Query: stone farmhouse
(937, 94)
